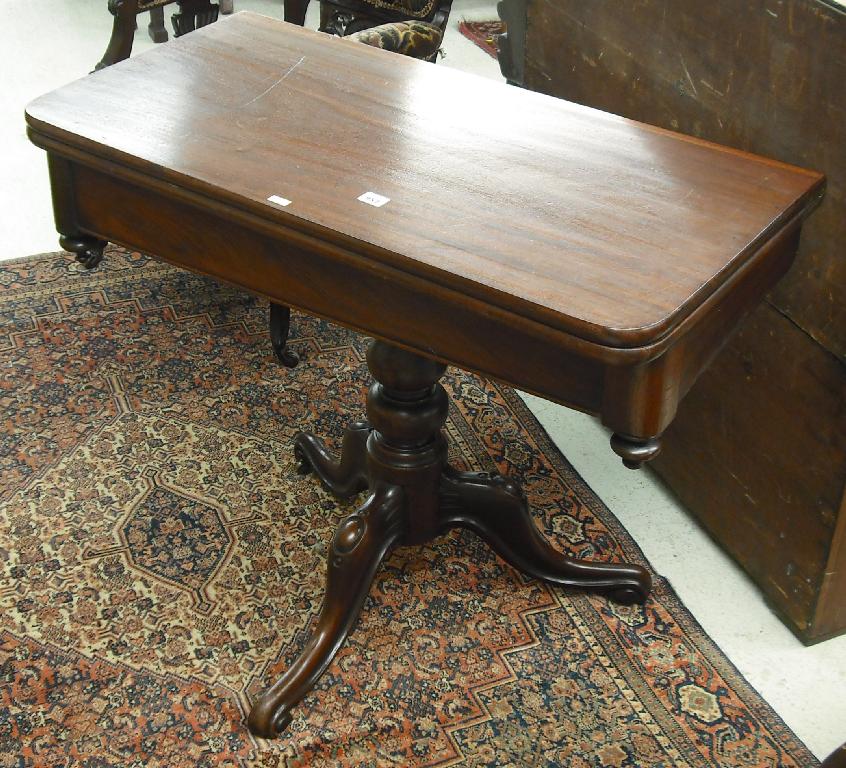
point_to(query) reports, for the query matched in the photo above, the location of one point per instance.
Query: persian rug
(161, 561)
(483, 34)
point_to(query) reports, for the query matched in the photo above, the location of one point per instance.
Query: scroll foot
(88, 250)
(495, 509)
(280, 326)
(346, 477)
(358, 547)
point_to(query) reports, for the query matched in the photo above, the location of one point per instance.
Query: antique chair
(345, 17)
(192, 14)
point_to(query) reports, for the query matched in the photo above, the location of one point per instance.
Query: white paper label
(371, 198)
(278, 200)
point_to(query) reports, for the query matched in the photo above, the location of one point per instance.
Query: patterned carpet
(483, 34)
(160, 559)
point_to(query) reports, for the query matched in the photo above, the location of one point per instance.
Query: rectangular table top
(602, 227)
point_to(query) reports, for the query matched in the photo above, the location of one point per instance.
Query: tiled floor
(49, 42)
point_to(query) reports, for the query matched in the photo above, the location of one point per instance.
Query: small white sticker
(371, 198)
(278, 200)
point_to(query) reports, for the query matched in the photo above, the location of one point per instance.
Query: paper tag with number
(371, 198)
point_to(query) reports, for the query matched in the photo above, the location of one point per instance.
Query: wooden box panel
(757, 450)
(766, 76)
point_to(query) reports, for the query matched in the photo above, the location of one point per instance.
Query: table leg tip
(267, 724)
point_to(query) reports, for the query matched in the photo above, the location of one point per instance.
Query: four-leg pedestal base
(399, 454)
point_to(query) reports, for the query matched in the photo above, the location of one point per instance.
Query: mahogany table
(595, 261)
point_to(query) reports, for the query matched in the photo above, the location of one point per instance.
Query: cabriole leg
(495, 509)
(344, 477)
(400, 453)
(358, 547)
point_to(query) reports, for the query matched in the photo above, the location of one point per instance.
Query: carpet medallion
(161, 560)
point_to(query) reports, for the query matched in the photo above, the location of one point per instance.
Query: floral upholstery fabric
(415, 9)
(410, 38)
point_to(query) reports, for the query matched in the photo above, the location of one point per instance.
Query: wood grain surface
(602, 227)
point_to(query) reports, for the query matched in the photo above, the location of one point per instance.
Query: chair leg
(227, 6)
(280, 326)
(192, 15)
(123, 32)
(156, 28)
(295, 11)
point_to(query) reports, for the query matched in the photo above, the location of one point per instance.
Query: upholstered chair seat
(417, 39)
(345, 17)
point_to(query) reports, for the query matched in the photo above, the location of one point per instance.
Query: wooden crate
(758, 450)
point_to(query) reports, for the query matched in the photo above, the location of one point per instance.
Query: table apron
(635, 391)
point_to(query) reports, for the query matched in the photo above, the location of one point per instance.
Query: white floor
(50, 42)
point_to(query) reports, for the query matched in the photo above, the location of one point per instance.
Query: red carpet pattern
(483, 33)
(161, 560)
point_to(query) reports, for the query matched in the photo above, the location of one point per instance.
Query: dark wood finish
(156, 28)
(666, 66)
(759, 428)
(295, 11)
(608, 278)
(511, 46)
(769, 481)
(830, 614)
(280, 326)
(836, 759)
(192, 15)
(125, 13)
(400, 455)
(88, 249)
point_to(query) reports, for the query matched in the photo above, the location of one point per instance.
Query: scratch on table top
(268, 90)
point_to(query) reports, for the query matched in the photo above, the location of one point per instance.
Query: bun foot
(635, 452)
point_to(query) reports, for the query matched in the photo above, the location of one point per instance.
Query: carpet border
(709, 648)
